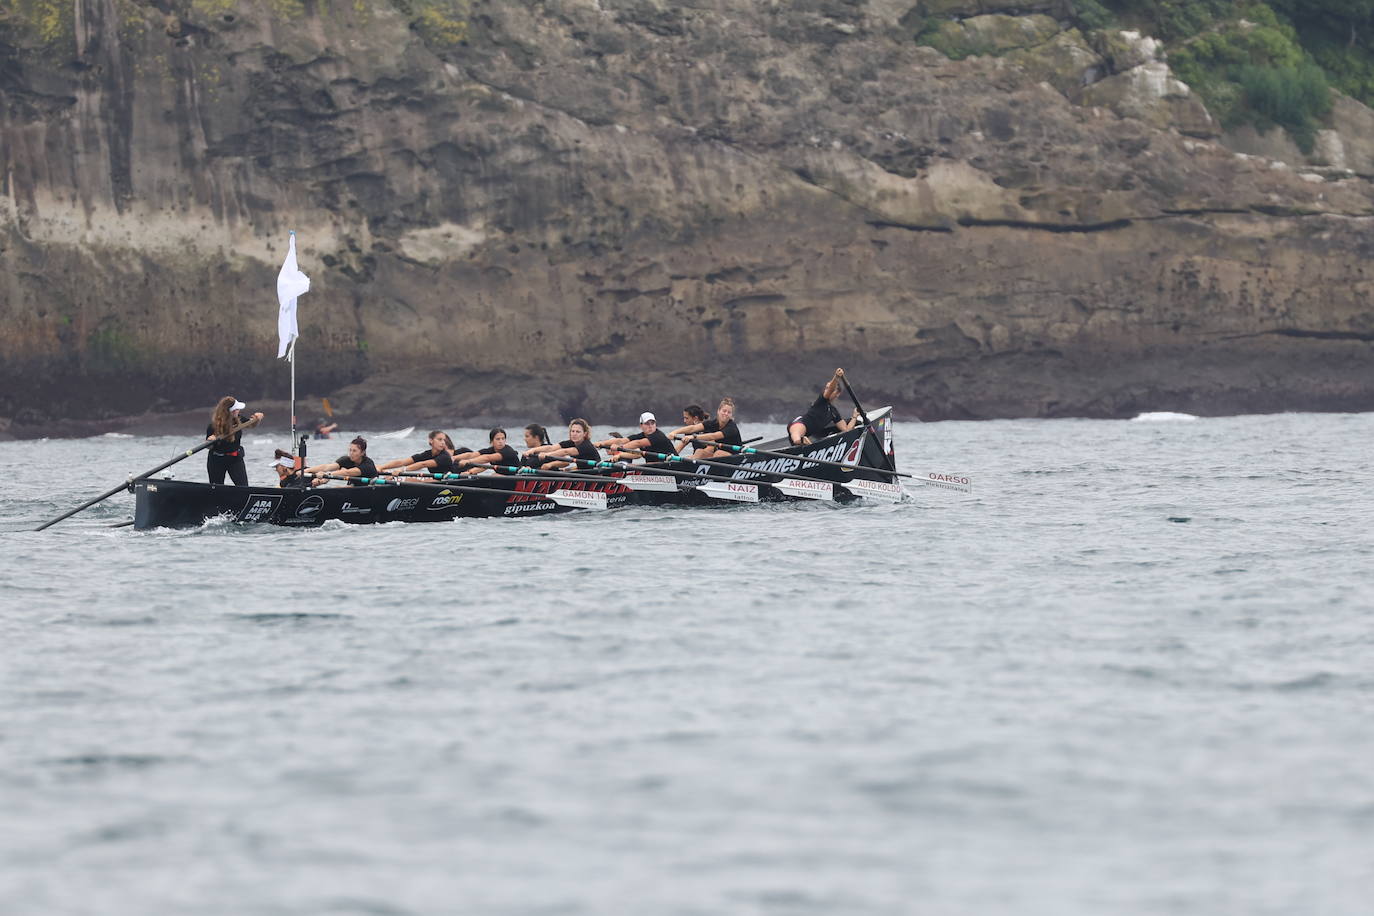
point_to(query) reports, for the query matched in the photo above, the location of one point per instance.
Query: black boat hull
(188, 504)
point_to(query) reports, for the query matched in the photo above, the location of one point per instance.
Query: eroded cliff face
(589, 206)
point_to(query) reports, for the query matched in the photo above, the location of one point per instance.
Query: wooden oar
(577, 499)
(867, 423)
(803, 487)
(643, 477)
(128, 484)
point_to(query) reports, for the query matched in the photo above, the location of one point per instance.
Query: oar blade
(657, 483)
(875, 490)
(580, 499)
(729, 490)
(959, 482)
(806, 489)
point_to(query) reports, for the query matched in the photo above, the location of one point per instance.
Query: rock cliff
(593, 206)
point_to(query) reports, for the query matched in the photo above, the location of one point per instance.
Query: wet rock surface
(595, 208)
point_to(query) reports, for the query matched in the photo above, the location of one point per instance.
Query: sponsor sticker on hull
(310, 508)
(259, 508)
(446, 499)
(402, 505)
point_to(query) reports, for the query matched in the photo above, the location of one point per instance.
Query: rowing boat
(859, 469)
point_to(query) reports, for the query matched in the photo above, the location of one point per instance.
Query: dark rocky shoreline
(589, 210)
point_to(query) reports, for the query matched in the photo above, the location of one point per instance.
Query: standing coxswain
(226, 455)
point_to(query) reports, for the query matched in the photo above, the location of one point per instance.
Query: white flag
(290, 284)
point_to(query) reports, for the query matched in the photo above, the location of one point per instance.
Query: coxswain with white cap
(650, 439)
(226, 455)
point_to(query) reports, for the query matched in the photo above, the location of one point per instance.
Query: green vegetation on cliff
(1252, 62)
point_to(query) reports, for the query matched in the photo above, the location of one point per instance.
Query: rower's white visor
(238, 405)
(284, 462)
(647, 417)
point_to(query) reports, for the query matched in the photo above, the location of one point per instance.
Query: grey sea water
(1132, 673)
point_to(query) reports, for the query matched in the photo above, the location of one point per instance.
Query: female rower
(354, 464)
(693, 416)
(284, 463)
(578, 444)
(720, 429)
(649, 438)
(456, 450)
(498, 452)
(226, 455)
(535, 436)
(435, 459)
(822, 418)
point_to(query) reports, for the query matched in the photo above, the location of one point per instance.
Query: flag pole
(293, 395)
(291, 283)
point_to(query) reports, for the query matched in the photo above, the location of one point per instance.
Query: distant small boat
(396, 433)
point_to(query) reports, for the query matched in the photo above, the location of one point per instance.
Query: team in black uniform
(705, 433)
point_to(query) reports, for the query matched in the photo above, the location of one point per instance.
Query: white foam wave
(1162, 416)
(117, 436)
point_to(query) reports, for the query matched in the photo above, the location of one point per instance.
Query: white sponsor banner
(728, 489)
(959, 482)
(806, 489)
(579, 499)
(660, 483)
(875, 489)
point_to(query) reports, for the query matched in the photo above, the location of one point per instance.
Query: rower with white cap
(650, 439)
(226, 455)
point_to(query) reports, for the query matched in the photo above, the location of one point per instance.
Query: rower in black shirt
(226, 455)
(650, 439)
(578, 444)
(456, 451)
(693, 416)
(722, 428)
(822, 419)
(354, 464)
(435, 459)
(498, 452)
